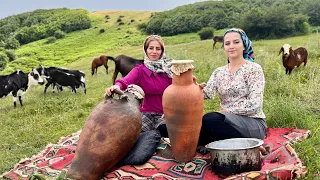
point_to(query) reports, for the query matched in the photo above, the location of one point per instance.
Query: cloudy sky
(10, 7)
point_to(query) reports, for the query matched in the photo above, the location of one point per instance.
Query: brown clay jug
(183, 110)
(111, 130)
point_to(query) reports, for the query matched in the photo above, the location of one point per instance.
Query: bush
(11, 54)
(101, 31)
(2, 44)
(206, 33)
(3, 61)
(59, 34)
(51, 40)
(142, 27)
(12, 43)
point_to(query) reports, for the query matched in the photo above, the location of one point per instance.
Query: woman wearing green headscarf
(240, 85)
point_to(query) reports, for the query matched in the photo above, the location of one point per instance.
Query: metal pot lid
(235, 144)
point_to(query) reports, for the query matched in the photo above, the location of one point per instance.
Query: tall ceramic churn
(183, 110)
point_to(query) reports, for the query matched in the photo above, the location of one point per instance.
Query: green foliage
(142, 27)
(59, 34)
(206, 33)
(3, 60)
(30, 34)
(271, 22)
(40, 24)
(12, 43)
(10, 54)
(311, 8)
(51, 40)
(261, 19)
(2, 44)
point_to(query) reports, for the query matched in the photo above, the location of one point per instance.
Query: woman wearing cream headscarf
(153, 76)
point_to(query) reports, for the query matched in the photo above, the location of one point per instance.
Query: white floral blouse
(240, 92)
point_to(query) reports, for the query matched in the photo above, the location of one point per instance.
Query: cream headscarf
(162, 64)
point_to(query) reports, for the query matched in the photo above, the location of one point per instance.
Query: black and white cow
(56, 76)
(17, 83)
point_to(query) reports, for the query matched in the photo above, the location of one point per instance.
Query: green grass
(289, 101)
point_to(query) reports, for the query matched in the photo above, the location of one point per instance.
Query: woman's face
(154, 50)
(233, 45)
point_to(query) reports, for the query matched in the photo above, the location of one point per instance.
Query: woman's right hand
(110, 89)
(202, 85)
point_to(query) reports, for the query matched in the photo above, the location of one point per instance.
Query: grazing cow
(292, 58)
(63, 77)
(97, 62)
(217, 39)
(17, 83)
(124, 64)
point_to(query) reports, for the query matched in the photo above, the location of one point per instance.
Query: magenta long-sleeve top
(153, 85)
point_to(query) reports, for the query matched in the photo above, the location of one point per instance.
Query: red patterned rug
(281, 163)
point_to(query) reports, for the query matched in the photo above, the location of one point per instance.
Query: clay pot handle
(115, 91)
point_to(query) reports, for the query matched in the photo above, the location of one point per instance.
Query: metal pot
(233, 156)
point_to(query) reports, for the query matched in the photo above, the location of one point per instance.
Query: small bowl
(236, 155)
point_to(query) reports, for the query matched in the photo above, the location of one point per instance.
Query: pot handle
(119, 92)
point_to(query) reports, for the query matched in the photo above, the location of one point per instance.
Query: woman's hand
(110, 89)
(202, 85)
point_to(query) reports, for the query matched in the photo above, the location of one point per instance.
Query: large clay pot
(111, 130)
(183, 110)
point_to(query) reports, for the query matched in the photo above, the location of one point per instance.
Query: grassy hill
(289, 100)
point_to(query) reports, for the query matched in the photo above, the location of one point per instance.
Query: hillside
(89, 42)
(289, 100)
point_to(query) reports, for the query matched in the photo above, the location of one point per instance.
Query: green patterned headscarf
(248, 52)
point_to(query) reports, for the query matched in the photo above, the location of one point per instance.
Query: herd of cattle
(18, 82)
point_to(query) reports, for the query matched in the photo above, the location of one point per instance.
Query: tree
(12, 43)
(312, 9)
(3, 61)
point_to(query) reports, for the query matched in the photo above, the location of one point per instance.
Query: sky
(11, 7)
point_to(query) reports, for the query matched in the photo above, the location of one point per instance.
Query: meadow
(289, 101)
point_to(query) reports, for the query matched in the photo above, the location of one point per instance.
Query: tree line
(27, 27)
(261, 19)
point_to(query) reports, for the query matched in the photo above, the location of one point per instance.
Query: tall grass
(289, 101)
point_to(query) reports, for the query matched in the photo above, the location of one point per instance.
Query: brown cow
(292, 58)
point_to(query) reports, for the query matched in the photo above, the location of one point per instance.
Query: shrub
(3, 61)
(142, 27)
(11, 54)
(59, 34)
(2, 44)
(101, 31)
(51, 40)
(206, 33)
(12, 43)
